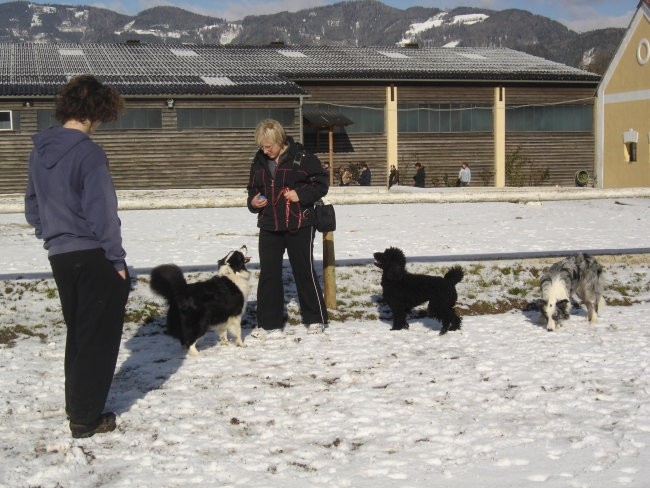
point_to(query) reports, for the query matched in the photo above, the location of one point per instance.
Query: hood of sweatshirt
(53, 144)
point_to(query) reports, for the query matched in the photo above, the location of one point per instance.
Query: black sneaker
(105, 423)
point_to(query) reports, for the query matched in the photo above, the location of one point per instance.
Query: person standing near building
(285, 182)
(365, 176)
(418, 177)
(71, 202)
(393, 176)
(345, 177)
(464, 175)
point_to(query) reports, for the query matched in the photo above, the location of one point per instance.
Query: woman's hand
(259, 201)
(292, 196)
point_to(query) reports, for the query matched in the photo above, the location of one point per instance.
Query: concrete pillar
(499, 123)
(390, 127)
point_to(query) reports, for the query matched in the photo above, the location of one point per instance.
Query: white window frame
(11, 120)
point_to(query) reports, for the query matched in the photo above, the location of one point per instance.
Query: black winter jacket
(297, 170)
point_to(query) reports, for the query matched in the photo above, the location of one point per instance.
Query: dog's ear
(562, 303)
(535, 305)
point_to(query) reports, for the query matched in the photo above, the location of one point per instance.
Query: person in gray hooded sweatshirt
(71, 202)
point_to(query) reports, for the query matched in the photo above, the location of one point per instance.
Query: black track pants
(270, 289)
(93, 298)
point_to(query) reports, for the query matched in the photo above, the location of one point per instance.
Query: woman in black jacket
(285, 182)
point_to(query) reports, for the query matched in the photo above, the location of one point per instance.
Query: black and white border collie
(579, 274)
(217, 302)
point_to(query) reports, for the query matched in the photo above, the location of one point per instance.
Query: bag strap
(300, 153)
(288, 212)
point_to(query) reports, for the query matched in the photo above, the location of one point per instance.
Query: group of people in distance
(364, 176)
(419, 178)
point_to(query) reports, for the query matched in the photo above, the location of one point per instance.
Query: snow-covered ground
(500, 403)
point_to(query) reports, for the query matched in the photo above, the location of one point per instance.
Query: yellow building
(623, 110)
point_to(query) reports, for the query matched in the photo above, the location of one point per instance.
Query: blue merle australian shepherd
(579, 274)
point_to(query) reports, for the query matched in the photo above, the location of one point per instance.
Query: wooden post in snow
(329, 270)
(329, 260)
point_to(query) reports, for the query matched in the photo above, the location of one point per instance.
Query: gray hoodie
(70, 199)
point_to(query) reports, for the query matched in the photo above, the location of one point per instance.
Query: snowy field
(500, 403)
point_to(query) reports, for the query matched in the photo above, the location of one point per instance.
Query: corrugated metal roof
(153, 69)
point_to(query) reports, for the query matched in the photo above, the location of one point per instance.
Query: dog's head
(235, 260)
(555, 304)
(392, 262)
(556, 310)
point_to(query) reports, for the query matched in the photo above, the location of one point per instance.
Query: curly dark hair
(84, 97)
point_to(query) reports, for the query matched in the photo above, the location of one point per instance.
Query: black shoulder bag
(325, 216)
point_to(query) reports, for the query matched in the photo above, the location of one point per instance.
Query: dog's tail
(167, 280)
(454, 275)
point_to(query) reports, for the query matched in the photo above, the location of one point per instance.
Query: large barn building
(192, 109)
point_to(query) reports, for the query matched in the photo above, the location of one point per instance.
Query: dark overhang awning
(325, 118)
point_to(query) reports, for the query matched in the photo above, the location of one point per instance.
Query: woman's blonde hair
(270, 131)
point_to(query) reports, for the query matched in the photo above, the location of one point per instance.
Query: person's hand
(292, 196)
(122, 273)
(259, 201)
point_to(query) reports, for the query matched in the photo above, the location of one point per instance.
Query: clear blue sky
(579, 15)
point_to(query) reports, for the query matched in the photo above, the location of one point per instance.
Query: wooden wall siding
(441, 154)
(187, 159)
(376, 94)
(202, 159)
(526, 94)
(160, 158)
(14, 151)
(169, 120)
(172, 158)
(480, 94)
(483, 95)
(347, 95)
(562, 153)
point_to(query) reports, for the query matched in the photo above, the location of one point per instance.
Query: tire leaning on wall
(582, 177)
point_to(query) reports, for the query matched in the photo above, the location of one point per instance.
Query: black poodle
(403, 290)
